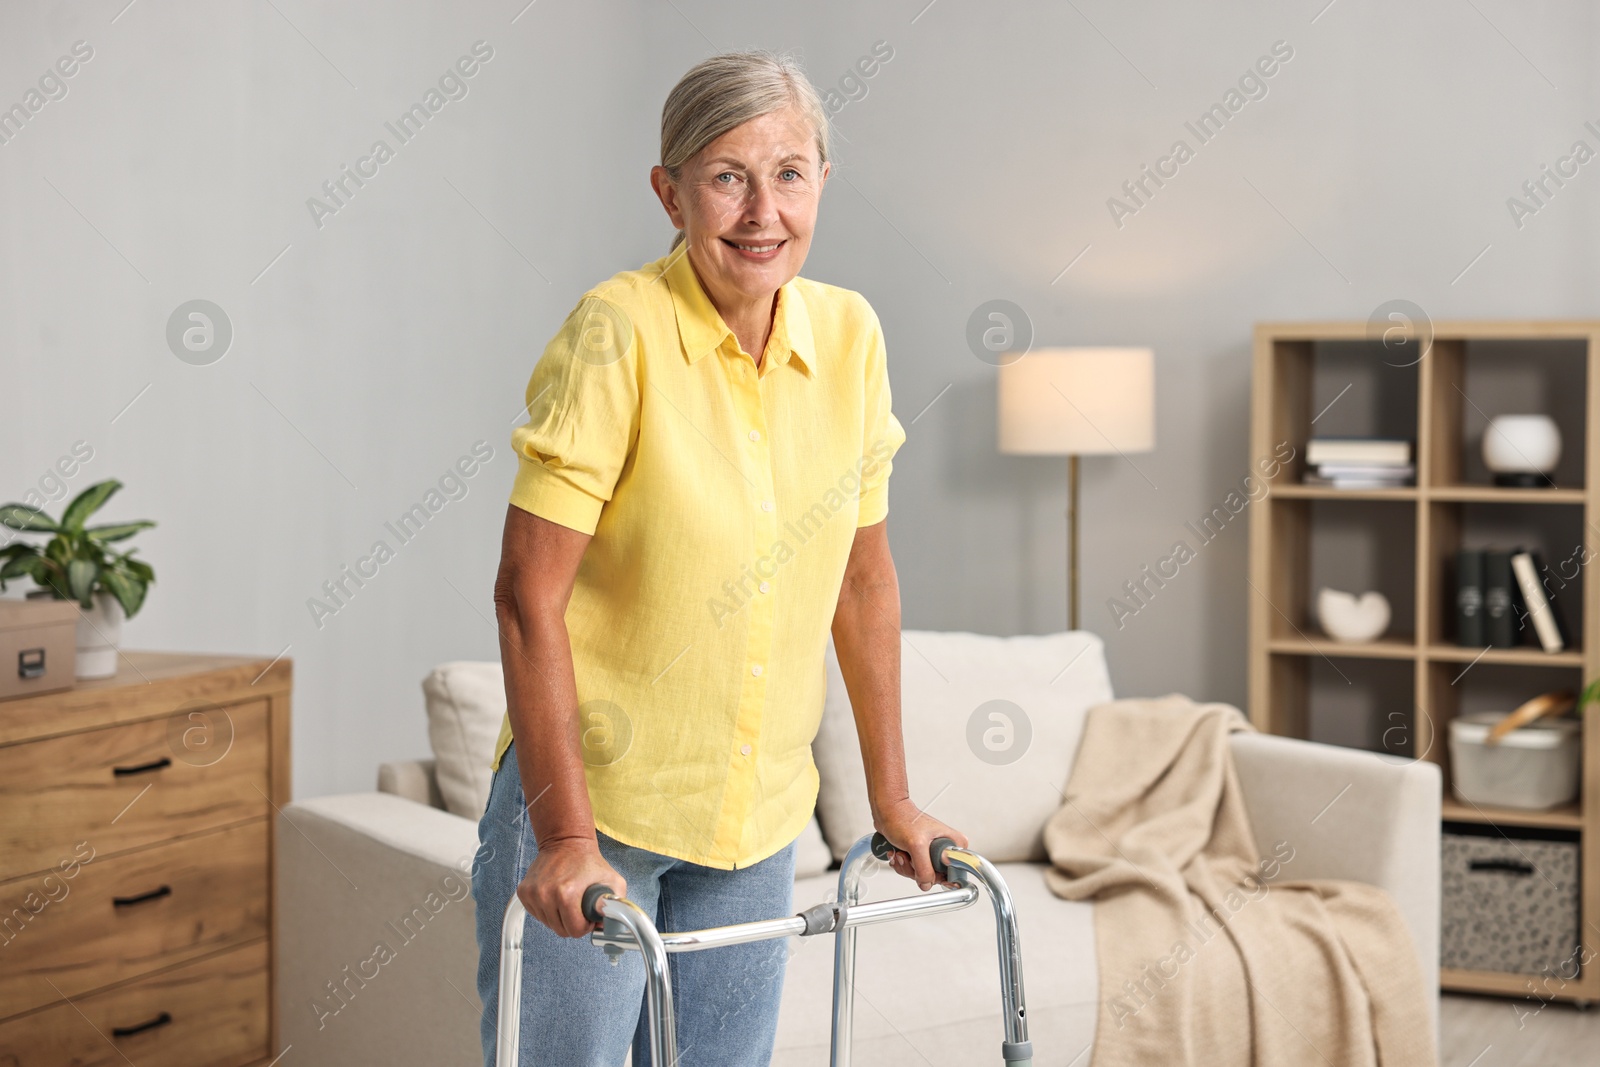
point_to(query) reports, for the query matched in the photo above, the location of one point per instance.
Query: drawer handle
(128, 1031)
(154, 894)
(30, 663)
(143, 768)
(1508, 866)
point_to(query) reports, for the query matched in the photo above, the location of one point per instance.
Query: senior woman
(701, 495)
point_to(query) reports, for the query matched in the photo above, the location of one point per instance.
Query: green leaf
(87, 503)
(59, 551)
(16, 567)
(120, 531)
(23, 517)
(128, 591)
(47, 575)
(139, 569)
(81, 575)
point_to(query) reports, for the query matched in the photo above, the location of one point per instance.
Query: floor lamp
(1077, 402)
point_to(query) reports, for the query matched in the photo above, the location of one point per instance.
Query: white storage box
(1533, 767)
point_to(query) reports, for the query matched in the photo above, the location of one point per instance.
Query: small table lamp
(1077, 402)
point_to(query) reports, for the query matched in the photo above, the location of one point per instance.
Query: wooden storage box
(38, 646)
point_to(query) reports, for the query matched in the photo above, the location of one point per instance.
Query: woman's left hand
(911, 830)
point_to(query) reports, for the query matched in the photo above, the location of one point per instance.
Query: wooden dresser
(136, 865)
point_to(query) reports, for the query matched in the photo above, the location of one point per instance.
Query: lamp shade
(1078, 401)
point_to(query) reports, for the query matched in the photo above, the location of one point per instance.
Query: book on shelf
(1502, 600)
(1400, 471)
(1360, 477)
(1359, 463)
(1500, 620)
(1354, 483)
(1469, 598)
(1541, 614)
(1359, 451)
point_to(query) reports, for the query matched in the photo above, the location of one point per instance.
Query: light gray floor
(1502, 1032)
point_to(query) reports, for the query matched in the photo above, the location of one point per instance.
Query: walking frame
(626, 926)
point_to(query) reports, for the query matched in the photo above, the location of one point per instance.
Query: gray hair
(729, 90)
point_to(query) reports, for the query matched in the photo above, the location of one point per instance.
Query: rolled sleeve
(882, 433)
(583, 404)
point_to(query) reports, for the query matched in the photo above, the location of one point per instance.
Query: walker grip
(881, 849)
(591, 900)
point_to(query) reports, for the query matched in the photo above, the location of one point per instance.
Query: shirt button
(766, 505)
(756, 669)
(755, 435)
(764, 586)
(745, 749)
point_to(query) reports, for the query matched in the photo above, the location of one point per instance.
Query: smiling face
(747, 204)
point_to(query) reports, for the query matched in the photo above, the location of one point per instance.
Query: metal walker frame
(626, 926)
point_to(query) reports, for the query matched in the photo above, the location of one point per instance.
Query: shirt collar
(701, 329)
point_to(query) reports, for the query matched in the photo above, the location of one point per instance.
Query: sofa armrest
(414, 779)
(377, 955)
(1354, 815)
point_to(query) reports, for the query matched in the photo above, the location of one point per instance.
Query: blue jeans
(580, 1011)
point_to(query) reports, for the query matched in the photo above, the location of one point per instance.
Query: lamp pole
(1072, 542)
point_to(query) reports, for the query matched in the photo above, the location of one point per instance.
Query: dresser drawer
(125, 786)
(119, 917)
(211, 1013)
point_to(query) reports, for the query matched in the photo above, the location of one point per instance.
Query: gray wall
(376, 349)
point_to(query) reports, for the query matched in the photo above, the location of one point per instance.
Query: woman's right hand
(552, 890)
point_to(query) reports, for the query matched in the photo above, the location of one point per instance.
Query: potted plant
(78, 563)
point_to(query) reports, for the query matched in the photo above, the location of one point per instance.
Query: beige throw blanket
(1201, 962)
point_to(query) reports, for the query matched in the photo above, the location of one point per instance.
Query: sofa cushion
(991, 725)
(466, 700)
(416, 779)
(928, 988)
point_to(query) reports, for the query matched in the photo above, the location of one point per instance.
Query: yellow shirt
(723, 501)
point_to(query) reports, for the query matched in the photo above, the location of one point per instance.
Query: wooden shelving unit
(1284, 639)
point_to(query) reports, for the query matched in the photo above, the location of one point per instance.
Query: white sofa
(376, 953)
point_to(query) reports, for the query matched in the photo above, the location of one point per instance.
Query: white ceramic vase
(99, 634)
(1347, 617)
(1522, 449)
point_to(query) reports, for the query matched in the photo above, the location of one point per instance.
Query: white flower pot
(99, 634)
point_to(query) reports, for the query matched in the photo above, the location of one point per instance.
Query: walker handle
(591, 901)
(881, 849)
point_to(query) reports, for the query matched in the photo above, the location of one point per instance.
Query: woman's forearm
(542, 702)
(866, 639)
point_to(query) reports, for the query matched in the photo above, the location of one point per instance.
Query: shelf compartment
(1454, 689)
(1475, 379)
(1365, 704)
(1555, 535)
(1356, 546)
(1343, 387)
